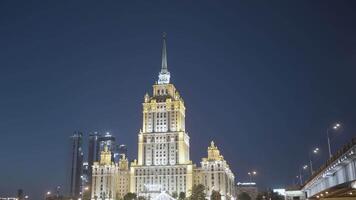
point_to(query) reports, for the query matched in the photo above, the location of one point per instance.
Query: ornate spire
(164, 76)
(164, 54)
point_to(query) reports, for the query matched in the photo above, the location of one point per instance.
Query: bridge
(336, 179)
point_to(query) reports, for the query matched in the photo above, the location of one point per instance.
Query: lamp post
(335, 127)
(300, 173)
(315, 151)
(250, 174)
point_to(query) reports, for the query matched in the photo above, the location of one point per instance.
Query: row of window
(161, 170)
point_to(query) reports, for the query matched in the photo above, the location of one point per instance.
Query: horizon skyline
(253, 93)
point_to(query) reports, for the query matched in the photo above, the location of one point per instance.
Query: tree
(215, 195)
(174, 195)
(244, 196)
(130, 196)
(181, 196)
(198, 192)
(141, 198)
(86, 195)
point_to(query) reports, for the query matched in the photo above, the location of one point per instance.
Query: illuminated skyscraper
(107, 140)
(163, 166)
(76, 167)
(163, 145)
(120, 152)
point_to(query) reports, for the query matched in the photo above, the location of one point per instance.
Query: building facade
(163, 145)
(215, 174)
(110, 180)
(123, 177)
(163, 164)
(104, 177)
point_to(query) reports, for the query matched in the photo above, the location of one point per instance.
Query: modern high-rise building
(97, 142)
(107, 140)
(123, 149)
(93, 153)
(120, 152)
(76, 167)
(163, 144)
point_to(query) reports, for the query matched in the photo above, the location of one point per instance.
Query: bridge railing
(336, 156)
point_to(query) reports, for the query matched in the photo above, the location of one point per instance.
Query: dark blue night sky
(263, 79)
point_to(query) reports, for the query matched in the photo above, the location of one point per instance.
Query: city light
(335, 127)
(251, 173)
(316, 150)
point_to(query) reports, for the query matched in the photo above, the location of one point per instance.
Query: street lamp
(315, 151)
(304, 167)
(250, 174)
(335, 127)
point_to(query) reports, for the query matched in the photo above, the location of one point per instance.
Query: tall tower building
(93, 153)
(120, 152)
(76, 168)
(163, 145)
(107, 140)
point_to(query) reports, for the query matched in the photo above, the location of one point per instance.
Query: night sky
(263, 79)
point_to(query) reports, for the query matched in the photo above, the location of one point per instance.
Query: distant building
(94, 150)
(120, 151)
(103, 180)
(280, 191)
(97, 142)
(107, 140)
(294, 194)
(20, 194)
(85, 178)
(215, 174)
(291, 193)
(76, 164)
(110, 180)
(93, 153)
(123, 149)
(123, 177)
(250, 188)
